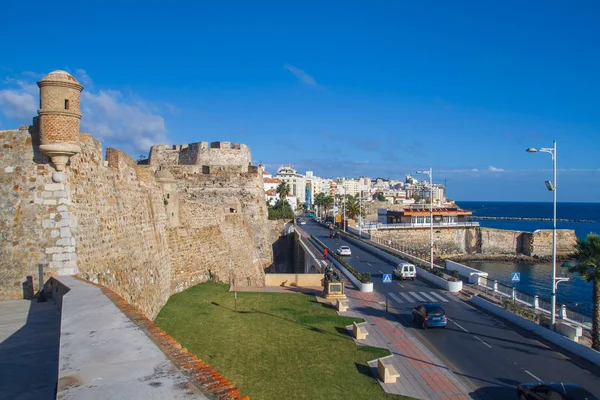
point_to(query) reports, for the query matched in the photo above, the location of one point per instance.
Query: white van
(405, 271)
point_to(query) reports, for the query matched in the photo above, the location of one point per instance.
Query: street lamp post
(430, 173)
(360, 215)
(552, 187)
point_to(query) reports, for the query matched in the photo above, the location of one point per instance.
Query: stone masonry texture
(112, 222)
(469, 240)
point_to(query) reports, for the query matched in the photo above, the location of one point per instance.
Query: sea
(536, 278)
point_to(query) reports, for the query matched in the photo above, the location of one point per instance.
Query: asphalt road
(491, 355)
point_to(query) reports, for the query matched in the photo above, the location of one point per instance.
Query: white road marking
(393, 296)
(401, 284)
(458, 325)
(416, 296)
(380, 271)
(439, 297)
(483, 342)
(426, 295)
(406, 297)
(534, 377)
(369, 264)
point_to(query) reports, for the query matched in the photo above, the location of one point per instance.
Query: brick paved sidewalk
(422, 374)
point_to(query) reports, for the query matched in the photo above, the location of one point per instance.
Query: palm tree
(283, 189)
(327, 202)
(587, 255)
(320, 201)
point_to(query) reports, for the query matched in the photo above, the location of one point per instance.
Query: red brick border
(202, 375)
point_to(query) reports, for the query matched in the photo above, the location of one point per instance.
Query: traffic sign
(515, 276)
(387, 278)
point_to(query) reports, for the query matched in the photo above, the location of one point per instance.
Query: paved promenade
(422, 374)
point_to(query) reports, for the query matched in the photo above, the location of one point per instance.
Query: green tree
(320, 202)
(380, 197)
(587, 255)
(281, 210)
(283, 190)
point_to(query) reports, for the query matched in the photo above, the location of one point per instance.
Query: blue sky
(378, 88)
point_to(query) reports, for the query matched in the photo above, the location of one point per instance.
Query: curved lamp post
(552, 187)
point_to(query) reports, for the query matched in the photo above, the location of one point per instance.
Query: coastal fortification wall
(471, 240)
(117, 223)
(201, 153)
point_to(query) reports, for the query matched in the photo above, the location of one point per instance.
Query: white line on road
(401, 284)
(406, 297)
(534, 377)
(458, 325)
(483, 342)
(438, 296)
(428, 296)
(393, 296)
(416, 296)
(380, 271)
(369, 264)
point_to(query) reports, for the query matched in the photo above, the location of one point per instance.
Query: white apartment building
(296, 181)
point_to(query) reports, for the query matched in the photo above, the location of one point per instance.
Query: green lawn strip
(277, 345)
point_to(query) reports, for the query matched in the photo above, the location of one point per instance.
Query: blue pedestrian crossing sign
(387, 278)
(515, 276)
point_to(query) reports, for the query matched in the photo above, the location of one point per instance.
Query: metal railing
(408, 225)
(501, 291)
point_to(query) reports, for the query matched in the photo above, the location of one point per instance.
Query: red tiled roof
(272, 180)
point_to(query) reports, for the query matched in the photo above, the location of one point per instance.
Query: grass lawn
(276, 346)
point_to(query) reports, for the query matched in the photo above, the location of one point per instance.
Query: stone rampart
(114, 223)
(470, 240)
(202, 153)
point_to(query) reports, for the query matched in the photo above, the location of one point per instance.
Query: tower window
(66, 104)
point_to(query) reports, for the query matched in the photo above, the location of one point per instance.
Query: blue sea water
(536, 277)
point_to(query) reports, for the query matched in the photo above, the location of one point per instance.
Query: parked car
(303, 222)
(405, 271)
(429, 315)
(554, 391)
(344, 251)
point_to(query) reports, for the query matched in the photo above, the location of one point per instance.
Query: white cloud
(110, 116)
(301, 75)
(118, 119)
(20, 102)
(494, 169)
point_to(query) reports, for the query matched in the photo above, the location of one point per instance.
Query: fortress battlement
(201, 153)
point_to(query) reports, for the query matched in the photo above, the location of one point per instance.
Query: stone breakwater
(481, 217)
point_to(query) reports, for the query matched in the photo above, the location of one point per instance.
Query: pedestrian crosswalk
(418, 297)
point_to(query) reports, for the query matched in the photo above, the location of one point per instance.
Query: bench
(387, 372)
(342, 305)
(359, 330)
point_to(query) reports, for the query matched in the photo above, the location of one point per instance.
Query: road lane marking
(369, 264)
(483, 342)
(401, 284)
(426, 295)
(458, 325)
(393, 296)
(406, 297)
(440, 297)
(534, 377)
(380, 271)
(416, 296)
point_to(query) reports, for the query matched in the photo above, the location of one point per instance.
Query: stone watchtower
(59, 117)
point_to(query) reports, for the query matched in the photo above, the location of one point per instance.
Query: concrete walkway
(29, 341)
(422, 374)
(104, 355)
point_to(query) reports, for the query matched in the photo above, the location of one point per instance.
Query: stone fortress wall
(471, 240)
(145, 231)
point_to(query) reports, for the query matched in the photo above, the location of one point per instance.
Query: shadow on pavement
(29, 356)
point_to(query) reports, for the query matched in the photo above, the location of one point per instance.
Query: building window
(66, 104)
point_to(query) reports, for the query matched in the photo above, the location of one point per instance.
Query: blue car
(430, 315)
